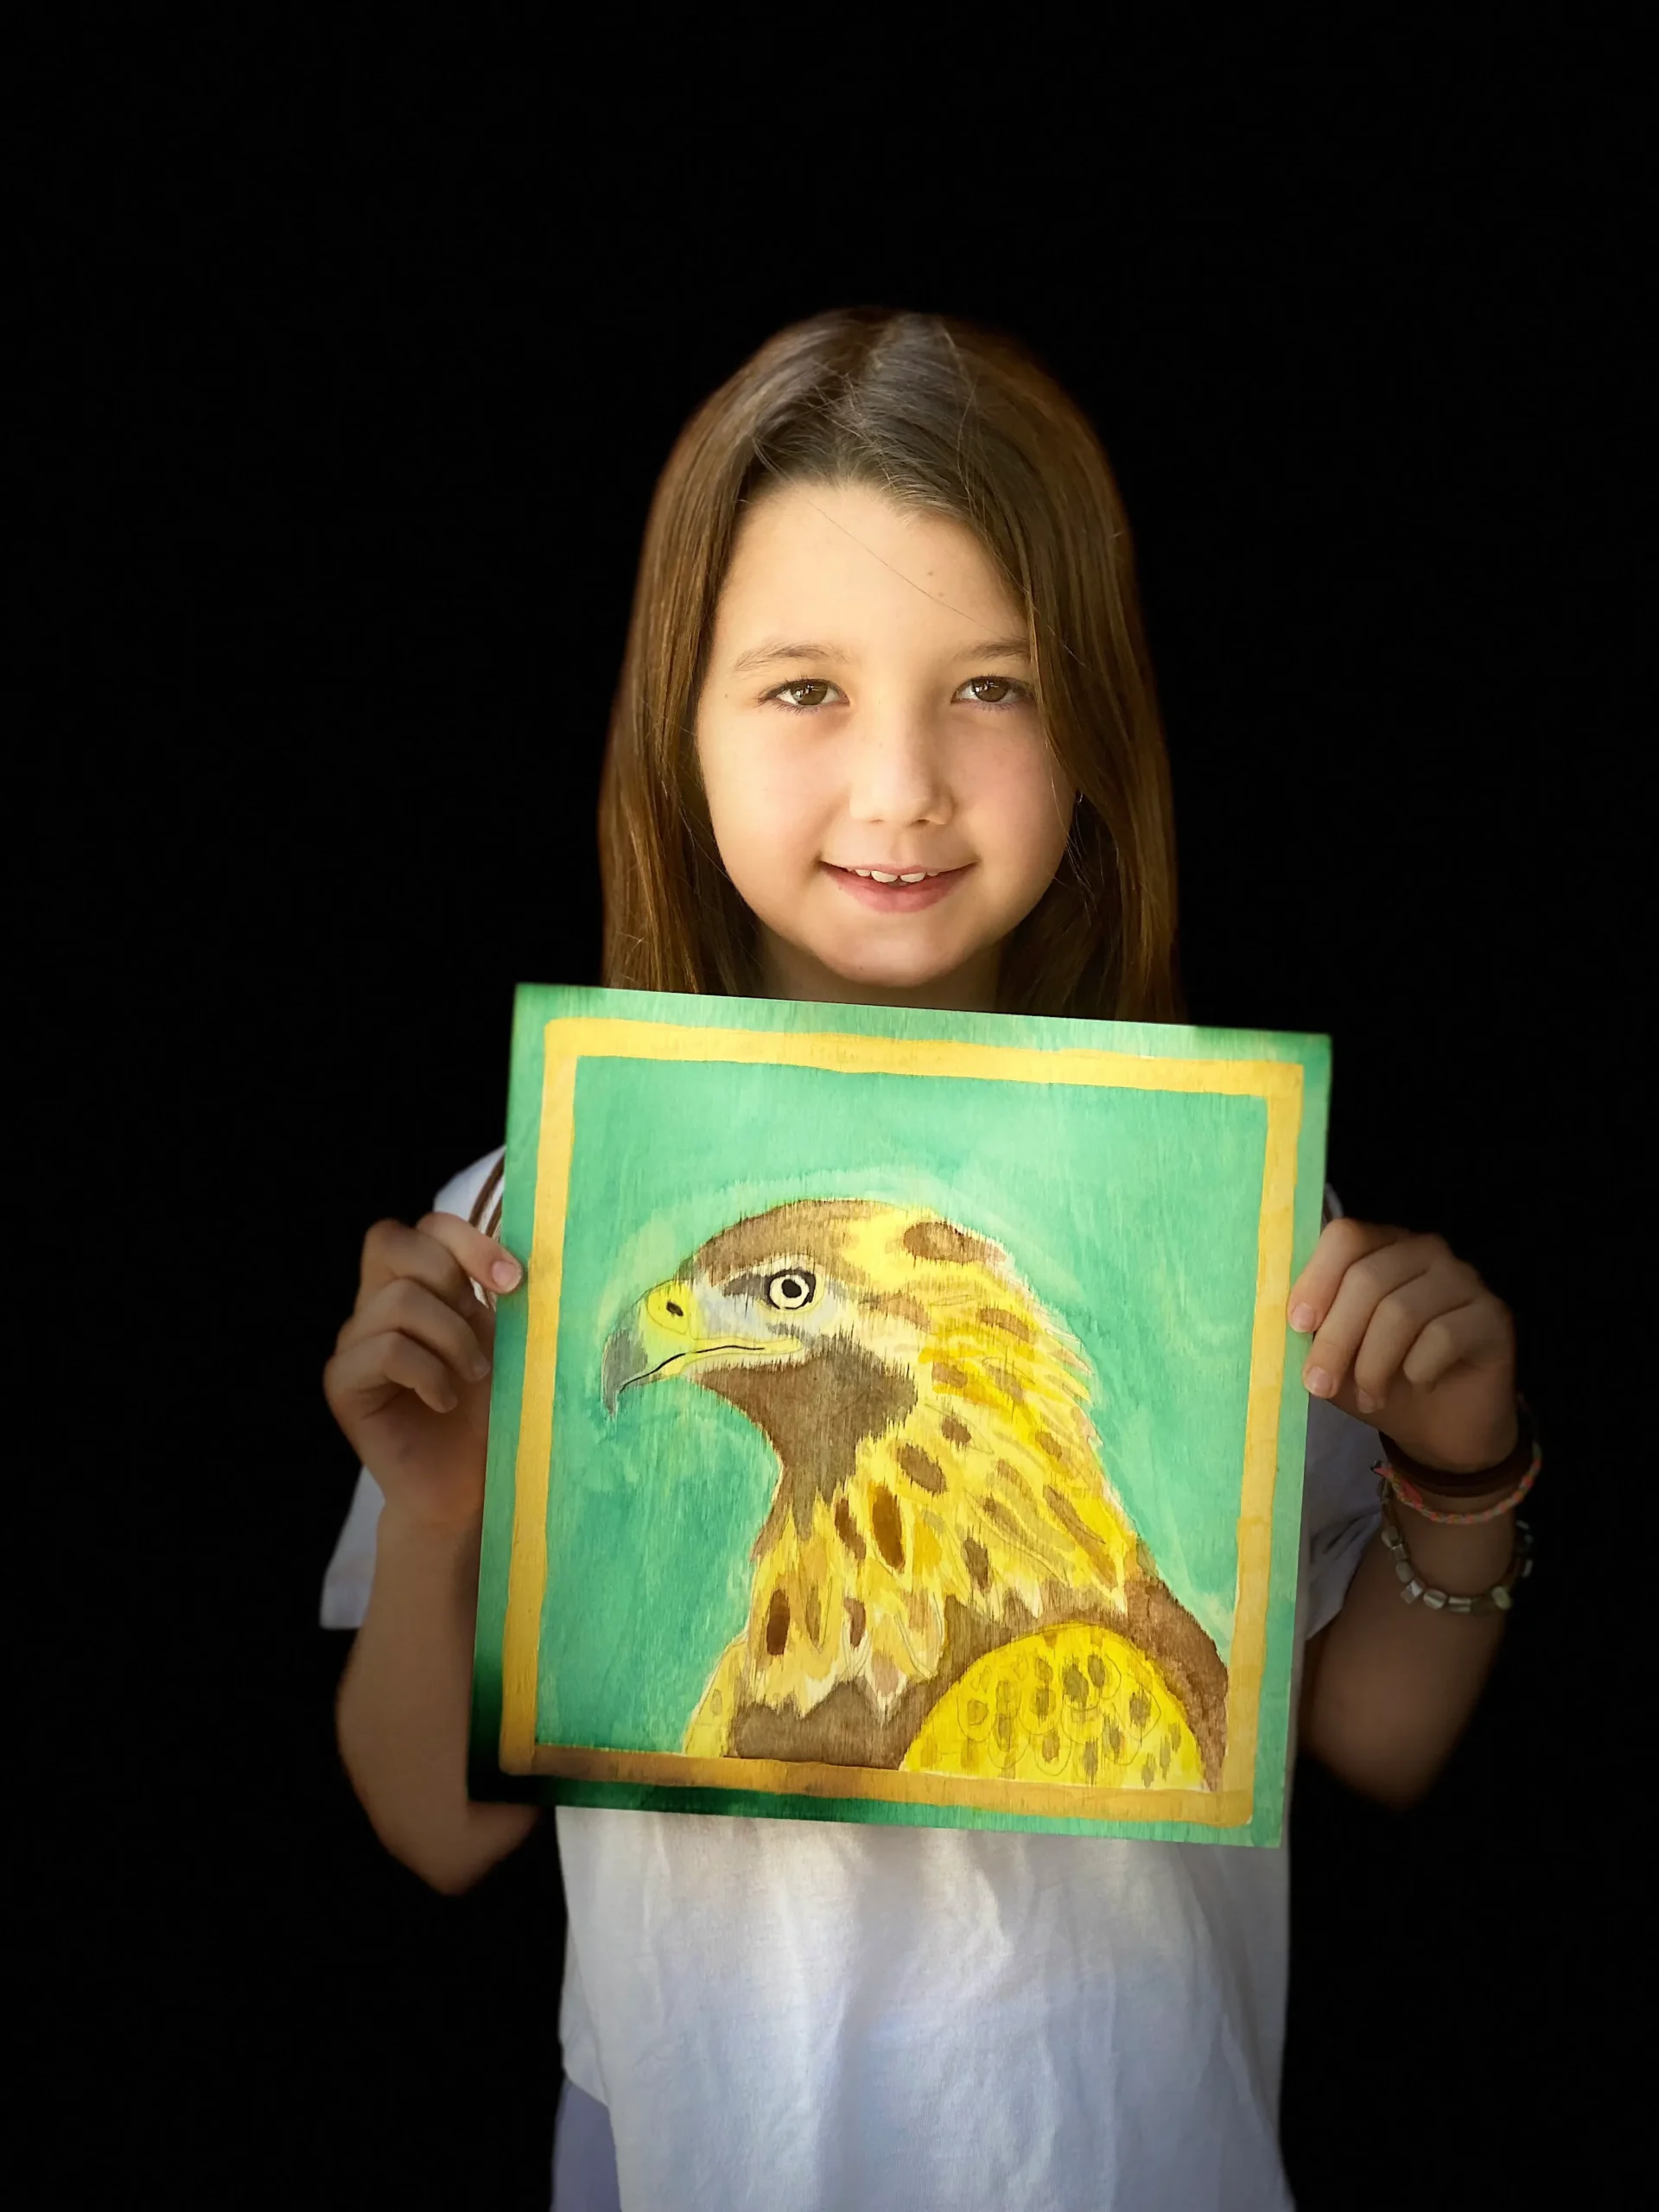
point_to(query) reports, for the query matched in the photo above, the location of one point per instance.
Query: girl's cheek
(1020, 813)
(786, 801)
(746, 786)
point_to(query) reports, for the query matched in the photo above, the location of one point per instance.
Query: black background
(378, 340)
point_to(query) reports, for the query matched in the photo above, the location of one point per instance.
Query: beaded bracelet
(1497, 1599)
(1528, 1448)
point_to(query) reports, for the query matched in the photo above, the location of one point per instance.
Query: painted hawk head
(829, 1322)
(891, 1357)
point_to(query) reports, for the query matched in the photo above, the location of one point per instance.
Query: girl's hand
(409, 1382)
(1410, 1340)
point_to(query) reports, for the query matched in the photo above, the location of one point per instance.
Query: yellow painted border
(566, 1043)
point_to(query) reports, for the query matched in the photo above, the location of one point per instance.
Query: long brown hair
(950, 418)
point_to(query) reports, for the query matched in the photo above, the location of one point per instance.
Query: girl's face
(868, 712)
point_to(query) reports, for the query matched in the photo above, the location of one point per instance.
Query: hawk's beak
(663, 1335)
(624, 1360)
(663, 1331)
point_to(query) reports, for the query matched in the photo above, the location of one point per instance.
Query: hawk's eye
(791, 1290)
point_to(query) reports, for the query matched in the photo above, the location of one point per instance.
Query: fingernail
(1318, 1382)
(506, 1274)
(1301, 1318)
(479, 1366)
(1364, 1401)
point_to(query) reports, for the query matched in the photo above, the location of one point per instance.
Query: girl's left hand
(1412, 1341)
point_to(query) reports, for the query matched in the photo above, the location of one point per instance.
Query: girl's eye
(1020, 694)
(801, 683)
(1021, 691)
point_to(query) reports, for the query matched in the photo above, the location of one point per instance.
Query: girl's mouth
(897, 897)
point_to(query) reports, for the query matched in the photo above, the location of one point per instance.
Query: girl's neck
(789, 973)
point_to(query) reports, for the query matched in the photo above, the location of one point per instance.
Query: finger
(442, 1251)
(411, 1309)
(363, 1371)
(1342, 1243)
(1471, 1333)
(485, 1259)
(1397, 1327)
(1376, 1273)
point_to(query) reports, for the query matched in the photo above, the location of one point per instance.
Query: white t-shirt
(800, 2016)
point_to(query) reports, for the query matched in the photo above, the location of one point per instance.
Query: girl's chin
(857, 970)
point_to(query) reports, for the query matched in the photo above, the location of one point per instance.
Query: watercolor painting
(895, 1422)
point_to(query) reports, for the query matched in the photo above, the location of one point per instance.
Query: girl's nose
(896, 774)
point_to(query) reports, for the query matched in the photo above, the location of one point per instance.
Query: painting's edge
(1172, 1040)
(1263, 1831)
(1273, 1710)
(487, 1780)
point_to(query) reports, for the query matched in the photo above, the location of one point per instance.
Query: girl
(886, 734)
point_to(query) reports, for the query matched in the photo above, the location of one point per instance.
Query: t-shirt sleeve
(1340, 1509)
(475, 1194)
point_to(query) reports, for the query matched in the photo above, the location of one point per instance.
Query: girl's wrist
(402, 1529)
(1462, 1558)
(1463, 1497)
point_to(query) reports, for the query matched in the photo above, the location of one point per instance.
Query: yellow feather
(1074, 1704)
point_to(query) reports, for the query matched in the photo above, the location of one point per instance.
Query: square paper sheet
(899, 1419)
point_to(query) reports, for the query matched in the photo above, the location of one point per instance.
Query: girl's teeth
(878, 876)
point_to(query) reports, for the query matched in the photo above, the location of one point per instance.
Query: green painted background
(1131, 1214)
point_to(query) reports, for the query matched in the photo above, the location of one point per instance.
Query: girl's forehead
(805, 550)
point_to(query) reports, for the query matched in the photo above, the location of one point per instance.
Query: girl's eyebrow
(777, 649)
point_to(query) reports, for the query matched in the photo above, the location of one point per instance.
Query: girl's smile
(887, 892)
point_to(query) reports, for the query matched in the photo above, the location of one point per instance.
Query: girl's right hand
(409, 1379)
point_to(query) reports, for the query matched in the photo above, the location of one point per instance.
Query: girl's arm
(1407, 1337)
(409, 1383)
(404, 1710)
(1389, 1688)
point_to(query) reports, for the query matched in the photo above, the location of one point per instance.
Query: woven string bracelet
(1392, 1483)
